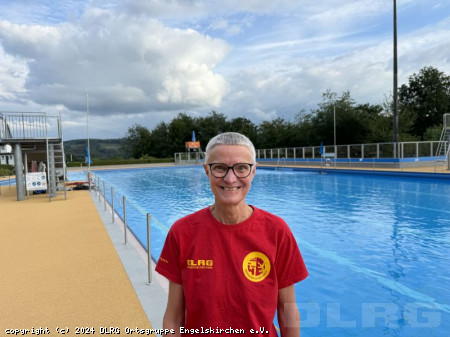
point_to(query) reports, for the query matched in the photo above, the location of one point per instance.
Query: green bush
(6, 170)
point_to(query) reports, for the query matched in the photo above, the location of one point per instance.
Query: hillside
(75, 150)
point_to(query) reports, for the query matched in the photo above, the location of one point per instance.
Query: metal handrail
(349, 151)
(29, 125)
(445, 130)
(5, 132)
(439, 148)
(101, 188)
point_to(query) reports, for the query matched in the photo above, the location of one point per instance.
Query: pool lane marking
(390, 284)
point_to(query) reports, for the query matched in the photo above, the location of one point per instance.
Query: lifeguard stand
(35, 137)
(194, 147)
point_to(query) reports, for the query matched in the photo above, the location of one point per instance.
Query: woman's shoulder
(266, 214)
(269, 217)
(190, 219)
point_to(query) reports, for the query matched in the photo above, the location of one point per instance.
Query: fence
(189, 157)
(131, 216)
(399, 150)
(38, 125)
(389, 155)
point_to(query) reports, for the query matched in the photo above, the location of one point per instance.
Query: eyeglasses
(240, 170)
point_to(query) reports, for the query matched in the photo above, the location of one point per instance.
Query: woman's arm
(175, 311)
(288, 315)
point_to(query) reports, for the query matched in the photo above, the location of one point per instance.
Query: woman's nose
(230, 176)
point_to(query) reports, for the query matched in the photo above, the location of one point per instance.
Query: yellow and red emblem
(256, 266)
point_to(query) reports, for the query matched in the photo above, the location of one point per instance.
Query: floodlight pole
(395, 89)
(88, 145)
(334, 124)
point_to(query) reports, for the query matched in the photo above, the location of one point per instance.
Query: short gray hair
(230, 138)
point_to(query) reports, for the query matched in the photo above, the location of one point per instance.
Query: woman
(231, 265)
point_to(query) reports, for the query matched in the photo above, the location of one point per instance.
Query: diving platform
(36, 141)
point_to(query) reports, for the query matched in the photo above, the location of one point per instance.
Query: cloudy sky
(144, 61)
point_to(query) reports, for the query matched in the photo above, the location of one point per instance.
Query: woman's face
(230, 190)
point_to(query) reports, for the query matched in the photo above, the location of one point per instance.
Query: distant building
(6, 156)
(7, 159)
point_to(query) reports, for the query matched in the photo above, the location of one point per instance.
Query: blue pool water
(377, 247)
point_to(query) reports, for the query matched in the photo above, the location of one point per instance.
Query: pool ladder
(281, 162)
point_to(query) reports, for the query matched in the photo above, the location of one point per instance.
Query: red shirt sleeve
(290, 267)
(169, 262)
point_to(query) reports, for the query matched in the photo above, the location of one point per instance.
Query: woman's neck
(231, 214)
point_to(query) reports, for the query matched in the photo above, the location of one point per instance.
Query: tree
(244, 126)
(138, 140)
(180, 131)
(275, 133)
(425, 99)
(355, 123)
(376, 126)
(159, 141)
(304, 132)
(210, 126)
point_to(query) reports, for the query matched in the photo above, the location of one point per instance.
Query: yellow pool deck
(59, 267)
(63, 265)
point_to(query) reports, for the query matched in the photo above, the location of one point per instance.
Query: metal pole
(334, 118)
(149, 251)
(18, 169)
(25, 166)
(99, 191)
(112, 204)
(104, 196)
(51, 171)
(125, 219)
(87, 136)
(395, 89)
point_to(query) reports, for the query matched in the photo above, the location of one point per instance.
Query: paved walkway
(59, 267)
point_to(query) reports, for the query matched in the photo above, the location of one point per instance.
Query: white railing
(404, 150)
(131, 216)
(189, 157)
(355, 151)
(29, 125)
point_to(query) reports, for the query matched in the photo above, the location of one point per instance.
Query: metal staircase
(56, 170)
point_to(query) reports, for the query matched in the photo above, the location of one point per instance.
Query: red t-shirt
(231, 274)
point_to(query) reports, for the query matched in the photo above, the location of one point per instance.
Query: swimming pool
(377, 247)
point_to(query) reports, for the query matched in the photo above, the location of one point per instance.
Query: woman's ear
(254, 170)
(206, 169)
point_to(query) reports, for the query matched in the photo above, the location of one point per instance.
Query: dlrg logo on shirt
(200, 264)
(256, 266)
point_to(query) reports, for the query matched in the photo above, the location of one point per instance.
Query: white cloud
(230, 29)
(133, 64)
(13, 74)
(197, 9)
(330, 12)
(144, 61)
(281, 88)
